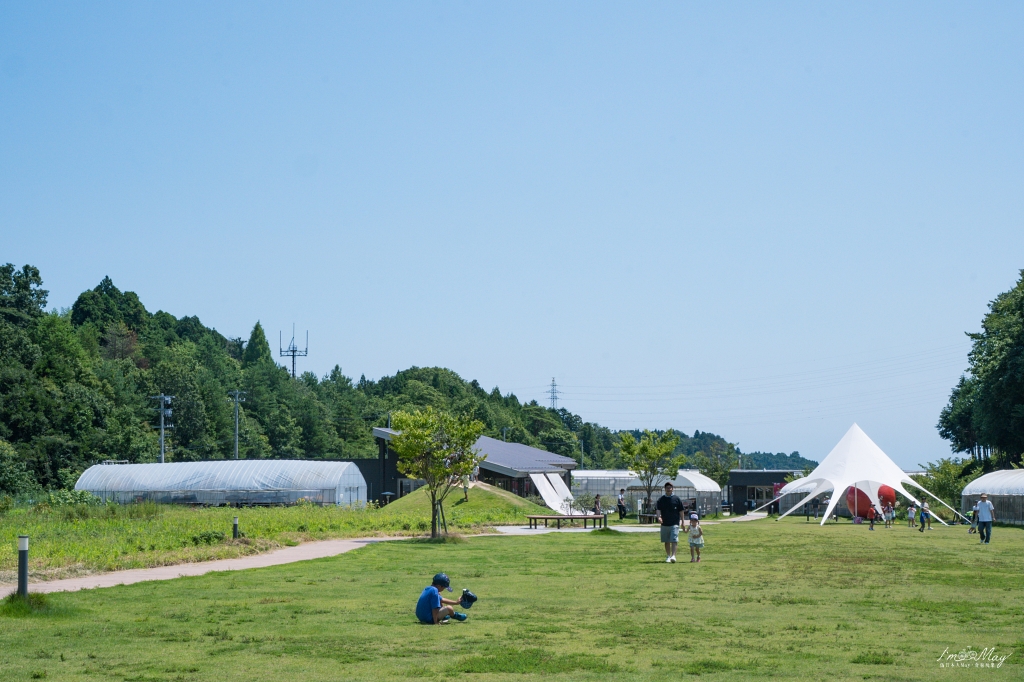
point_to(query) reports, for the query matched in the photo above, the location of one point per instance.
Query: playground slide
(547, 492)
(561, 490)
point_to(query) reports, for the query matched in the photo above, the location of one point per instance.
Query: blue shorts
(670, 533)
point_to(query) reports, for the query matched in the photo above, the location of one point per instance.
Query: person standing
(911, 513)
(871, 517)
(621, 503)
(814, 505)
(597, 506)
(986, 514)
(695, 534)
(923, 517)
(669, 511)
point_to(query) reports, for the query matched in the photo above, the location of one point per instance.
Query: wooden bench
(558, 518)
(646, 518)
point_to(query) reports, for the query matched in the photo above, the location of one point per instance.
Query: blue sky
(759, 220)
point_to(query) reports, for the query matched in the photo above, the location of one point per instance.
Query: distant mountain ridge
(779, 460)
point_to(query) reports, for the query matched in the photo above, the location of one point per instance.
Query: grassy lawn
(786, 600)
(69, 541)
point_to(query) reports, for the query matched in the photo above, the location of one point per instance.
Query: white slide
(562, 491)
(548, 493)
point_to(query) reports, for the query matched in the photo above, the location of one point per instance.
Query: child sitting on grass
(696, 536)
(432, 608)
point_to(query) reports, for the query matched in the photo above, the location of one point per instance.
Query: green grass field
(77, 540)
(785, 600)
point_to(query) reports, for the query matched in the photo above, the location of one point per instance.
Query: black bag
(467, 600)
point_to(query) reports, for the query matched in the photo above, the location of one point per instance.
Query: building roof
(518, 460)
(509, 459)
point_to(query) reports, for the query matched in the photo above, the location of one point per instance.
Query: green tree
(947, 477)
(985, 413)
(716, 461)
(651, 458)
(15, 478)
(22, 298)
(438, 448)
(257, 350)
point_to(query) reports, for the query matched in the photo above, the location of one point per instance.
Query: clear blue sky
(760, 220)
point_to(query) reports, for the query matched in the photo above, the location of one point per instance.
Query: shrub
(208, 537)
(65, 498)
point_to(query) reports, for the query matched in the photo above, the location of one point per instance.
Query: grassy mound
(486, 505)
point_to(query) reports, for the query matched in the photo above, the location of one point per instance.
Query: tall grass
(82, 538)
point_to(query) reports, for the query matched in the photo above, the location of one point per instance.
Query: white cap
(22, 543)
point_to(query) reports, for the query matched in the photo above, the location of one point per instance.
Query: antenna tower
(554, 393)
(164, 410)
(292, 350)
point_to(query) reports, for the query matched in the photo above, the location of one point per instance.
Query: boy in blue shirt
(432, 608)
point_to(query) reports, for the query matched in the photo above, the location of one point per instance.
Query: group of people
(670, 510)
(620, 504)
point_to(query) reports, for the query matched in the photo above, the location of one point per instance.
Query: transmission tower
(292, 350)
(164, 410)
(238, 397)
(554, 393)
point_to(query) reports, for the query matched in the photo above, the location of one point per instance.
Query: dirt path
(285, 555)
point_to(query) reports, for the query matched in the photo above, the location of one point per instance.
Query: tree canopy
(75, 389)
(985, 413)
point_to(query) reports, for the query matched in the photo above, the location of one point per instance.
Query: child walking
(696, 536)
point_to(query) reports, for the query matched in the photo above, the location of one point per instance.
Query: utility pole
(292, 350)
(163, 408)
(238, 397)
(553, 392)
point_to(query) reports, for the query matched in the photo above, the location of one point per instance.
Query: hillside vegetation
(76, 387)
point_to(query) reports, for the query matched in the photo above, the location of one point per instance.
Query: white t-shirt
(985, 509)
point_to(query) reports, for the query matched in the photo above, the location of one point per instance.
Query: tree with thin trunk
(650, 458)
(438, 448)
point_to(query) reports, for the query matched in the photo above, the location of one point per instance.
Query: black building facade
(752, 488)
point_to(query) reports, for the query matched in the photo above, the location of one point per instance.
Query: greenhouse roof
(255, 474)
(1005, 482)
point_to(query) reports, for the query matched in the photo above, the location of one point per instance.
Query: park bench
(646, 518)
(534, 519)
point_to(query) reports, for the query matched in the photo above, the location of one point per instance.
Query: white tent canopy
(854, 461)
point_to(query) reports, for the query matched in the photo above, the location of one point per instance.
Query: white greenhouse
(1005, 490)
(691, 486)
(244, 482)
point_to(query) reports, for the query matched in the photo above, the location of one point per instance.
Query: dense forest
(76, 388)
(985, 414)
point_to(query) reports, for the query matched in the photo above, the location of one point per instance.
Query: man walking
(669, 513)
(814, 505)
(986, 514)
(621, 503)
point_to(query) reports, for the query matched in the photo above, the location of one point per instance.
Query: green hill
(486, 505)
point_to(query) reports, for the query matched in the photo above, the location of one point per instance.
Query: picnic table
(534, 519)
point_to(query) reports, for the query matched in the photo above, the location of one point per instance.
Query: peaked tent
(854, 461)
